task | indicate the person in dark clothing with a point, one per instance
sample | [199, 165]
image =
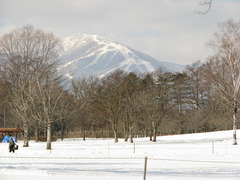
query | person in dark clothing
[11, 145]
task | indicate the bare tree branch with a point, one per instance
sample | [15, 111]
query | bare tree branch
[205, 3]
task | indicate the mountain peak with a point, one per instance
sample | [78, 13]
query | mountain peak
[73, 40]
[85, 55]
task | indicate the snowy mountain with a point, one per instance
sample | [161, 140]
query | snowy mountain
[84, 55]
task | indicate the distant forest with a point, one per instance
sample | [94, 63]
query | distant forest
[33, 96]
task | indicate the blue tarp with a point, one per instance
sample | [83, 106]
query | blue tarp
[7, 139]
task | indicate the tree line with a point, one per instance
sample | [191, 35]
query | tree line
[202, 98]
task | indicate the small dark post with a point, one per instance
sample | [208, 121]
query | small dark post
[145, 168]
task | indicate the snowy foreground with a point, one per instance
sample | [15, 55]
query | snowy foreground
[192, 156]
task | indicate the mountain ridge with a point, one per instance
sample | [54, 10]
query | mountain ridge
[92, 55]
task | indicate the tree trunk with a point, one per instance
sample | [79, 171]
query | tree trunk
[126, 137]
[49, 135]
[115, 135]
[36, 133]
[26, 135]
[84, 134]
[126, 134]
[144, 133]
[62, 133]
[235, 123]
[151, 134]
[126, 131]
[154, 134]
[131, 134]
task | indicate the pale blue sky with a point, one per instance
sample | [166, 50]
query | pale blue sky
[167, 30]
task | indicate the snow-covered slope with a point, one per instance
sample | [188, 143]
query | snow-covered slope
[85, 55]
[200, 156]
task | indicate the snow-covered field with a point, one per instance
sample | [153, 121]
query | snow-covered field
[191, 156]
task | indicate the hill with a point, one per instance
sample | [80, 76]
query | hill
[84, 55]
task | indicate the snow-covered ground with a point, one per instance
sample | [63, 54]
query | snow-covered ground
[192, 156]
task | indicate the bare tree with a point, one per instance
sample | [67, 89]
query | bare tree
[29, 57]
[224, 65]
[4, 105]
[131, 103]
[48, 99]
[108, 100]
[84, 90]
[182, 95]
[160, 102]
[64, 113]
